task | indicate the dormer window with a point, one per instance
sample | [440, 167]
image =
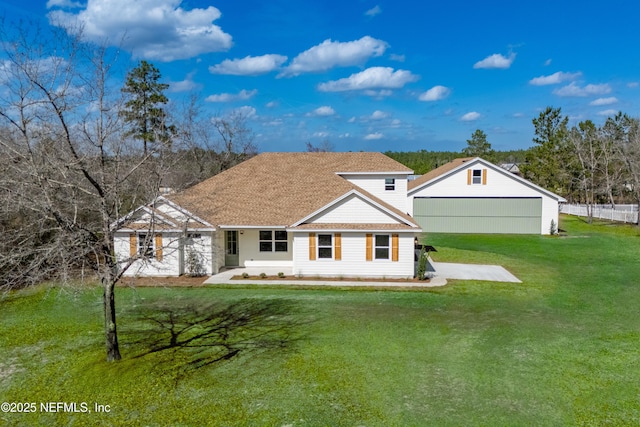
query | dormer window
[477, 176]
[390, 184]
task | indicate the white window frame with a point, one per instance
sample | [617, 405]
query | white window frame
[376, 247]
[329, 246]
[144, 250]
[476, 179]
[389, 184]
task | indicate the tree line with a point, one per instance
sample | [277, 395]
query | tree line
[584, 163]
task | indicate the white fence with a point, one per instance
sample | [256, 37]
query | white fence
[621, 213]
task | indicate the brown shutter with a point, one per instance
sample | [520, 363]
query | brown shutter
[369, 247]
[484, 177]
[159, 247]
[312, 246]
[394, 247]
[469, 174]
[133, 245]
[337, 243]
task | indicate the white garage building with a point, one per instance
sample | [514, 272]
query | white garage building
[472, 195]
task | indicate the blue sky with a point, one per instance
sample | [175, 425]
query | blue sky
[378, 75]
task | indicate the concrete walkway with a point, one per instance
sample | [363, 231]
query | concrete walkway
[439, 271]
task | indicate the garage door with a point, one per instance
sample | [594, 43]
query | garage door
[478, 215]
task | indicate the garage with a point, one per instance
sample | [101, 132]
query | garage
[499, 215]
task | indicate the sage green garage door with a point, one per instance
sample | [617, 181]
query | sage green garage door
[478, 215]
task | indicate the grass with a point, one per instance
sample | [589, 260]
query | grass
[562, 348]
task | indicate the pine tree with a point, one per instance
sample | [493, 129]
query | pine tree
[144, 107]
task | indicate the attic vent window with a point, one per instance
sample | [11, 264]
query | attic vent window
[390, 184]
[477, 176]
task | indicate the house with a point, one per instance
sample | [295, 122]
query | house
[308, 214]
[472, 195]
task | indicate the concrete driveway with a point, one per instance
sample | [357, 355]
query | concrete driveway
[493, 273]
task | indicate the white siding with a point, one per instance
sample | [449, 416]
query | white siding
[498, 185]
[354, 210]
[375, 184]
[172, 254]
[353, 262]
[250, 255]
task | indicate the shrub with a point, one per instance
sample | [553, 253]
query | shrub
[421, 273]
[281, 274]
[195, 263]
[245, 275]
[553, 229]
[263, 275]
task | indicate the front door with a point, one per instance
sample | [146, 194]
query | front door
[231, 254]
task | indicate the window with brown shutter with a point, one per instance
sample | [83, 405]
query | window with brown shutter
[484, 177]
[312, 246]
[369, 247]
[159, 247]
[337, 255]
[133, 245]
[394, 247]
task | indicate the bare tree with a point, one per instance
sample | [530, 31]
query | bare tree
[206, 145]
[584, 139]
[624, 131]
[235, 139]
[324, 147]
[68, 170]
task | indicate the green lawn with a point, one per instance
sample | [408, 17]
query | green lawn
[562, 348]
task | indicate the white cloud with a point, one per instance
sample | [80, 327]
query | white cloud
[379, 115]
[376, 10]
[554, 78]
[323, 111]
[63, 3]
[608, 113]
[470, 117]
[604, 101]
[249, 65]
[436, 93]
[151, 29]
[371, 78]
[633, 85]
[352, 120]
[185, 85]
[374, 136]
[246, 111]
[378, 94]
[496, 61]
[243, 95]
[329, 54]
[573, 89]
[272, 104]
[396, 57]
[547, 62]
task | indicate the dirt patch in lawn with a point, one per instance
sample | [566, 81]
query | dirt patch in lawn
[183, 281]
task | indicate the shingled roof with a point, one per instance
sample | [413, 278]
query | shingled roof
[279, 189]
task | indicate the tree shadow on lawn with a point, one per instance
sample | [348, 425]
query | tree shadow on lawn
[193, 334]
